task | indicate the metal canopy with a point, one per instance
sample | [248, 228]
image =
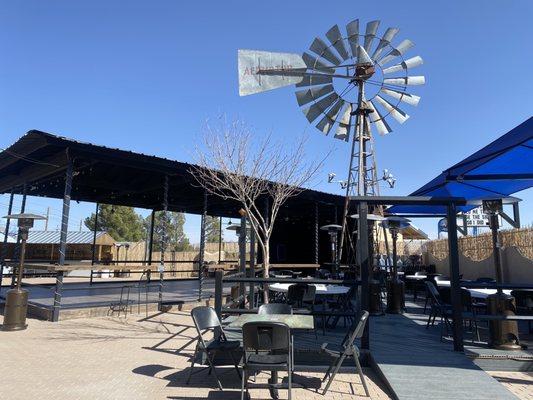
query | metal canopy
[500, 169]
[113, 176]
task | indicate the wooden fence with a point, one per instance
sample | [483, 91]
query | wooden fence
[479, 247]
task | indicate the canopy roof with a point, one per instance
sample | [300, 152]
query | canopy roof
[114, 176]
[498, 170]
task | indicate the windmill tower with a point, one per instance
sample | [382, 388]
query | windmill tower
[345, 86]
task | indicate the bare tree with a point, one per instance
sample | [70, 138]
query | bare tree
[237, 164]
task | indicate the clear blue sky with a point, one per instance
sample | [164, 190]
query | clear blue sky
[144, 75]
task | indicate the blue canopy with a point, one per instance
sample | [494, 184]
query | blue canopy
[498, 170]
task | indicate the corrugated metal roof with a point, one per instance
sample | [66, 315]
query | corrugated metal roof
[52, 237]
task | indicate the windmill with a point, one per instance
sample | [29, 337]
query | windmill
[345, 85]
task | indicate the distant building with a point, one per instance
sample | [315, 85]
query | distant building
[44, 246]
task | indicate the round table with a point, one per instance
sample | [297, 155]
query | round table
[321, 289]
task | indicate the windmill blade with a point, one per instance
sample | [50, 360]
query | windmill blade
[321, 48]
[314, 63]
[402, 96]
[370, 34]
[410, 80]
[329, 119]
[251, 61]
[385, 41]
[407, 64]
[397, 51]
[353, 36]
[335, 38]
[396, 113]
[319, 107]
[363, 57]
[377, 119]
[343, 130]
[306, 96]
[315, 80]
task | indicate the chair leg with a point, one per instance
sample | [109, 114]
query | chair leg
[243, 379]
[289, 371]
[361, 375]
[235, 363]
[192, 364]
[212, 368]
[332, 376]
[328, 371]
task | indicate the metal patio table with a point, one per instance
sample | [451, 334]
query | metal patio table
[294, 322]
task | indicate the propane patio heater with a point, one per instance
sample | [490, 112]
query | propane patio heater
[502, 334]
[395, 287]
[333, 230]
[16, 306]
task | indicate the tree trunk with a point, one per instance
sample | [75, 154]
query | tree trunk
[266, 265]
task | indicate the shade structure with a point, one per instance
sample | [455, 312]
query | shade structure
[498, 170]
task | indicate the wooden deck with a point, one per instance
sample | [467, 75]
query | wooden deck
[417, 365]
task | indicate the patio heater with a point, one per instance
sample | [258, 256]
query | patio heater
[16, 306]
[395, 287]
[502, 334]
[333, 230]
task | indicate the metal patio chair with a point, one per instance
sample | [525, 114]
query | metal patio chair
[123, 304]
[267, 347]
[438, 309]
[346, 349]
[205, 319]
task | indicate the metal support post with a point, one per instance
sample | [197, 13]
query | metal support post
[93, 254]
[202, 248]
[219, 274]
[362, 250]
[220, 240]
[63, 241]
[151, 238]
[4, 244]
[453, 256]
[251, 293]
[316, 234]
[163, 233]
[16, 253]
[494, 225]
[242, 254]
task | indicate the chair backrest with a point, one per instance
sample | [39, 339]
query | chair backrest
[296, 292]
[266, 336]
[205, 318]
[274, 308]
[432, 291]
[442, 278]
[309, 293]
[356, 330]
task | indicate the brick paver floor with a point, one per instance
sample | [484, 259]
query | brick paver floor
[127, 358]
[520, 383]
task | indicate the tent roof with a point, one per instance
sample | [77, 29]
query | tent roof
[499, 169]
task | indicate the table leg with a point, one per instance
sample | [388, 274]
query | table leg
[273, 380]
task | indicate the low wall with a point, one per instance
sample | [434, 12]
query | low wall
[516, 267]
